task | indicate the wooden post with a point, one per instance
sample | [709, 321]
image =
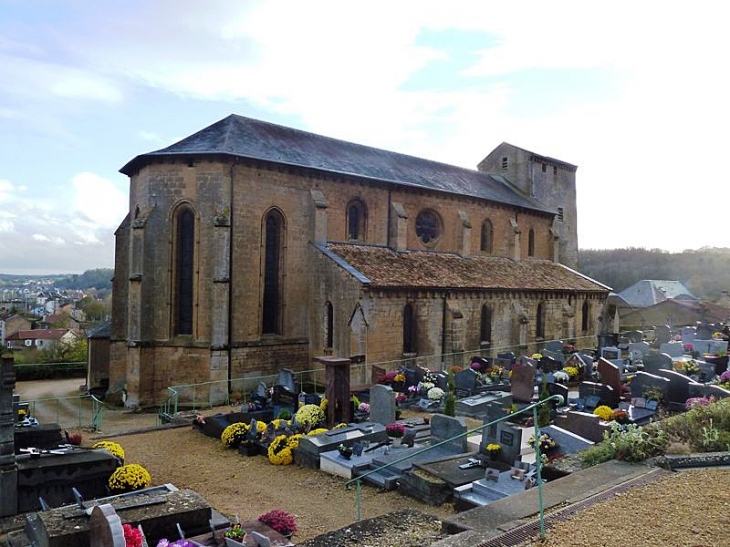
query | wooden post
[337, 375]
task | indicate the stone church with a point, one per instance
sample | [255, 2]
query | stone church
[250, 246]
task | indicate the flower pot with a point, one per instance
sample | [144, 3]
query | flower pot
[397, 441]
[230, 542]
[346, 455]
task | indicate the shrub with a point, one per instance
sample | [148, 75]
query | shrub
[113, 448]
[129, 477]
[311, 415]
[234, 434]
[630, 443]
[281, 521]
[604, 412]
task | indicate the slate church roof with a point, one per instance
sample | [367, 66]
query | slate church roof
[382, 267]
[648, 292]
[240, 137]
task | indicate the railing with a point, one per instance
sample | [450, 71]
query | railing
[218, 392]
[538, 463]
[89, 411]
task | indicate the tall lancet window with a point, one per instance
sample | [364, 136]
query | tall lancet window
[184, 270]
[273, 243]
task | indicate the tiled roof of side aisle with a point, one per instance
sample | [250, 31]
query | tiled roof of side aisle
[381, 267]
[258, 140]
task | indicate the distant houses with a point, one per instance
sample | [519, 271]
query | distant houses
[652, 302]
[41, 339]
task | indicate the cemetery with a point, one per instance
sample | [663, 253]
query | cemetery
[471, 442]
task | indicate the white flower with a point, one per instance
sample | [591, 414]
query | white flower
[435, 393]
[561, 376]
[427, 385]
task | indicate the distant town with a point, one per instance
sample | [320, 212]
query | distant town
[48, 318]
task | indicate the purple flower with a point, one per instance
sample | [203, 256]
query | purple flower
[725, 377]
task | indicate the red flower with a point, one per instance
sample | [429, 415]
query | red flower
[132, 536]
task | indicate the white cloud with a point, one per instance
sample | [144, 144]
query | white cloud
[99, 200]
[40, 237]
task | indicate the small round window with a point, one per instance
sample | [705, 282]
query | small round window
[428, 228]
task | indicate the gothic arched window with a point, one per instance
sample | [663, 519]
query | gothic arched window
[184, 270]
[409, 329]
[357, 215]
[540, 321]
[273, 261]
[486, 239]
[485, 330]
[585, 321]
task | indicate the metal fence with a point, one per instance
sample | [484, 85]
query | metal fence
[80, 411]
[225, 392]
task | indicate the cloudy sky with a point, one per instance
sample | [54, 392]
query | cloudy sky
[634, 93]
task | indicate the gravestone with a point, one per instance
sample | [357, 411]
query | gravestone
[509, 437]
[414, 376]
[283, 397]
[673, 349]
[286, 380]
[337, 390]
[643, 383]
[678, 387]
[704, 332]
[584, 364]
[688, 334]
[466, 382]
[655, 362]
[707, 371]
[523, 382]
[603, 394]
[611, 352]
[555, 346]
[478, 405]
[442, 381]
[105, 527]
[641, 348]
[584, 424]
[558, 389]
[634, 336]
[548, 364]
[444, 427]
[662, 334]
[610, 375]
[382, 404]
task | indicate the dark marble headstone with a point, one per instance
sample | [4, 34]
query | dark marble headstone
[655, 362]
[442, 381]
[610, 374]
[466, 382]
[606, 394]
[413, 376]
[634, 336]
[678, 387]
[584, 424]
[523, 382]
[583, 363]
[283, 397]
[558, 389]
[548, 364]
[509, 437]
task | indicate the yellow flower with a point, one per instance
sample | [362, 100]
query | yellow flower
[113, 448]
[604, 412]
[280, 451]
[129, 477]
[234, 434]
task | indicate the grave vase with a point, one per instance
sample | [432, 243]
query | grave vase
[230, 542]
[397, 441]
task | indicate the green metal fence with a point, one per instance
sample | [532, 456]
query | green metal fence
[80, 411]
[216, 393]
[538, 461]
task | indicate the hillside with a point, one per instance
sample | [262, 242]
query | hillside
[706, 272]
